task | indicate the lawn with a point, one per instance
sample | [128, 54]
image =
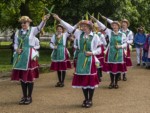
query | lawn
[5, 58]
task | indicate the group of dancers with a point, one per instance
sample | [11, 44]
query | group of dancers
[92, 54]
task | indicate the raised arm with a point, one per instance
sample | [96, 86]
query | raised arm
[66, 25]
[38, 28]
[102, 26]
[108, 20]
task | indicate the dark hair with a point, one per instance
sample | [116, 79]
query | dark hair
[60, 27]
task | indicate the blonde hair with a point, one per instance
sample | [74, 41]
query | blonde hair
[25, 19]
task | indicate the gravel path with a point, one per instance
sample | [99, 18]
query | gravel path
[133, 96]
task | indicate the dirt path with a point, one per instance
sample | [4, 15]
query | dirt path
[133, 96]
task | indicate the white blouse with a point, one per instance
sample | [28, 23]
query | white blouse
[33, 41]
[95, 49]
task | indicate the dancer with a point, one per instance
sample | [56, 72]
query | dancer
[129, 35]
[115, 57]
[25, 64]
[85, 75]
[60, 54]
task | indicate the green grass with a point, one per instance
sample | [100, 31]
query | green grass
[5, 43]
[5, 58]
[44, 44]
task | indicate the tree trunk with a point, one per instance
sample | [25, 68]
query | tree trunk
[24, 8]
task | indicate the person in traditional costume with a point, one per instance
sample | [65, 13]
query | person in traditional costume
[115, 57]
[139, 41]
[101, 55]
[60, 54]
[25, 64]
[85, 75]
[129, 35]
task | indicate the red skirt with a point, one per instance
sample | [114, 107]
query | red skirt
[28, 75]
[86, 81]
[128, 58]
[115, 67]
[61, 66]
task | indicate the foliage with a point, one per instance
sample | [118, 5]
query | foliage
[136, 11]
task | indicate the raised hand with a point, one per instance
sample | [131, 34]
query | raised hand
[46, 17]
[103, 17]
[56, 16]
[93, 18]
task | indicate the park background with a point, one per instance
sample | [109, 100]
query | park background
[72, 11]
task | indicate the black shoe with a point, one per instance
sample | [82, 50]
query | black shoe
[62, 85]
[88, 104]
[22, 101]
[124, 78]
[111, 86]
[28, 101]
[138, 64]
[58, 84]
[116, 86]
[84, 103]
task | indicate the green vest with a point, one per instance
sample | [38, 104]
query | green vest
[115, 55]
[84, 62]
[20, 61]
[58, 54]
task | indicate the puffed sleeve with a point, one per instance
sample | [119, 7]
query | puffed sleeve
[130, 38]
[16, 43]
[37, 43]
[38, 28]
[102, 26]
[70, 28]
[109, 21]
[103, 40]
[67, 26]
[96, 50]
[52, 42]
[124, 41]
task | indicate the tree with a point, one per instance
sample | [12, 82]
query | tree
[72, 11]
